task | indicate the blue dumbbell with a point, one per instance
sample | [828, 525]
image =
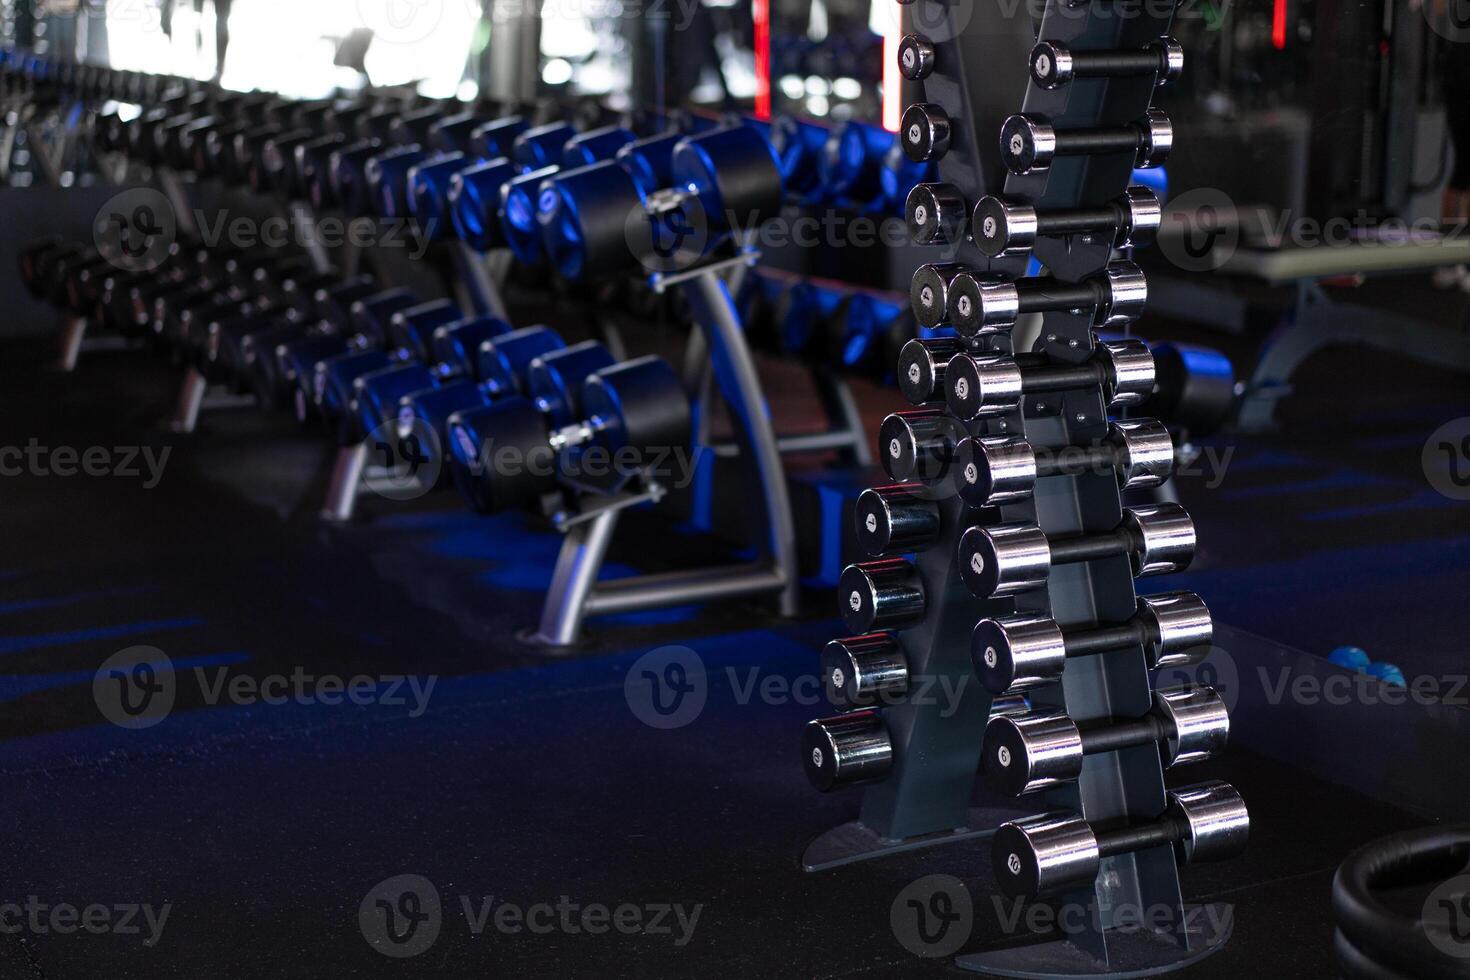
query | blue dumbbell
[1388, 673]
[511, 454]
[650, 161]
[868, 331]
[852, 163]
[502, 362]
[541, 146]
[474, 202]
[799, 147]
[594, 145]
[1353, 658]
[387, 179]
[428, 190]
[346, 179]
[554, 379]
[497, 139]
[597, 220]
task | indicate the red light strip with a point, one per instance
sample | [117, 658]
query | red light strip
[1278, 25]
[761, 13]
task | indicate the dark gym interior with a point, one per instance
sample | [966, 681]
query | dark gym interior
[700, 489]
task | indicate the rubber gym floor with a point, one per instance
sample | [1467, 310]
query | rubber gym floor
[262, 828]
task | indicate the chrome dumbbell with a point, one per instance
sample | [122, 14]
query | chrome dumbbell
[915, 57]
[918, 444]
[1027, 753]
[1009, 558]
[896, 519]
[992, 470]
[881, 595]
[1029, 143]
[935, 212]
[980, 305]
[925, 131]
[1052, 852]
[921, 367]
[1053, 64]
[856, 748]
[981, 385]
[1018, 653]
[1006, 227]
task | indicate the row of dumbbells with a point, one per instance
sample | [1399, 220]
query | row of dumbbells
[378, 364]
[474, 170]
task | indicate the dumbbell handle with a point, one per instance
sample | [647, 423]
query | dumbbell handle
[1126, 840]
[1101, 639]
[1116, 64]
[1041, 295]
[1089, 547]
[1107, 139]
[1078, 460]
[1039, 374]
[1114, 735]
[1079, 220]
[576, 434]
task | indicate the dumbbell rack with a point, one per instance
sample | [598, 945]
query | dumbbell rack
[925, 795]
[575, 593]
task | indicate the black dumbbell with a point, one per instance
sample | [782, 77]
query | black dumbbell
[1017, 653]
[881, 595]
[1029, 143]
[915, 57]
[925, 131]
[1027, 753]
[895, 520]
[918, 444]
[1005, 559]
[981, 305]
[1052, 852]
[982, 386]
[935, 212]
[855, 747]
[992, 470]
[922, 364]
[510, 455]
[1005, 227]
[1053, 64]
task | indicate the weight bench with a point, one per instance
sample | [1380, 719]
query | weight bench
[1319, 320]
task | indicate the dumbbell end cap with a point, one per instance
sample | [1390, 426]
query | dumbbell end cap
[1051, 64]
[1002, 227]
[1017, 653]
[1042, 854]
[1171, 60]
[1179, 627]
[845, 750]
[1157, 140]
[1213, 821]
[1027, 143]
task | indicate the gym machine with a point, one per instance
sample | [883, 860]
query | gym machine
[1003, 548]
